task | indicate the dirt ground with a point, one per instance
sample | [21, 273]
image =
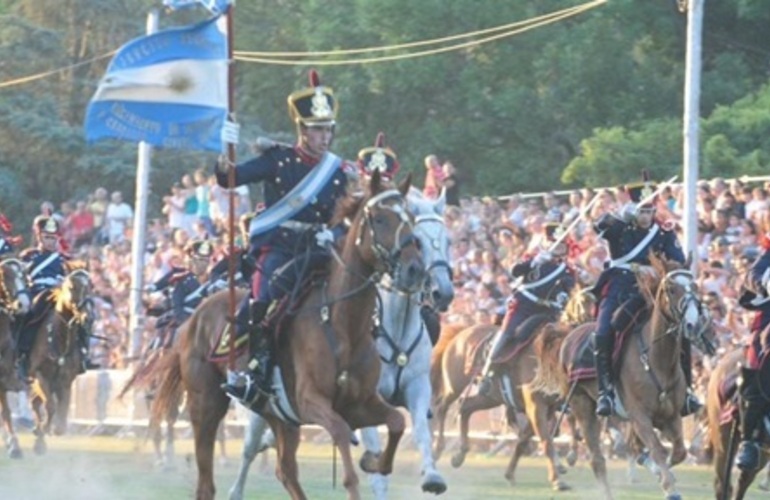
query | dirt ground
[91, 468]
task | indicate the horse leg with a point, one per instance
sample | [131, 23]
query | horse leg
[207, 406]
[536, 408]
[222, 441]
[643, 427]
[372, 413]
[745, 478]
[439, 417]
[525, 434]
[251, 446]
[572, 455]
[286, 444]
[468, 407]
[417, 395]
[38, 408]
[370, 461]
[584, 409]
[170, 421]
[764, 485]
[12, 442]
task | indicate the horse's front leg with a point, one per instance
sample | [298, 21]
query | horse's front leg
[418, 396]
[658, 465]
[38, 404]
[12, 442]
[468, 407]
[370, 462]
[536, 406]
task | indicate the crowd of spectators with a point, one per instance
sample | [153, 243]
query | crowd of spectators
[488, 236]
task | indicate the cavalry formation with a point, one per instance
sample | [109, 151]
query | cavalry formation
[340, 289]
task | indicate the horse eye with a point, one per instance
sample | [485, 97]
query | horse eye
[379, 220]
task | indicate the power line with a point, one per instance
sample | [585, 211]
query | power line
[26, 79]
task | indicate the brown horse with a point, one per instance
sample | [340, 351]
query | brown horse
[724, 427]
[326, 360]
[650, 383]
[14, 301]
[513, 389]
[56, 357]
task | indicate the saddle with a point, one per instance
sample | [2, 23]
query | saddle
[625, 324]
[477, 352]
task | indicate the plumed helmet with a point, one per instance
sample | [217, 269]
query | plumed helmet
[315, 105]
[380, 158]
[642, 191]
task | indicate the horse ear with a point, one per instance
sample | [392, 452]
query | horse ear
[404, 185]
[375, 183]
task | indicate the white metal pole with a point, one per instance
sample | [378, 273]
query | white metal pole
[691, 126]
[135, 322]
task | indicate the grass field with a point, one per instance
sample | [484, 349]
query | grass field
[90, 468]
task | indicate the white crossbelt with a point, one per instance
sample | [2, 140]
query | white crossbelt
[43, 264]
[525, 289]
[296, 225]
[195, 294]
[622, 263]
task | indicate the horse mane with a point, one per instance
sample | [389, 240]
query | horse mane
[76, 265]
[649, 285]
[347, 207]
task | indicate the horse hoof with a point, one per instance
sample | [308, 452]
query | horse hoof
[434, 483]
[370, 462]
[511, 480]
[15, 453]
[561, 486]
[764, 486]
[458, 459]
[40, 447]
[561, 469]
[571, 458]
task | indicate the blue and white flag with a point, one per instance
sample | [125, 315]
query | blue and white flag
[169, 89]
[216, 7]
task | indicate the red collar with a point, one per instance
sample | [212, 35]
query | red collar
[306, 157]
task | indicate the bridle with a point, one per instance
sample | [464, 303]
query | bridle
[9, 299]
[675, 310]
[435, 243]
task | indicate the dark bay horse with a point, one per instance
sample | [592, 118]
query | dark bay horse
[513, 389]
[327, 368]
[14, 301]
[650, 383]
[56, 357]
[724, 428]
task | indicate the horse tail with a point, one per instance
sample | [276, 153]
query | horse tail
[550, 377]
[169, 371]
[139, 378]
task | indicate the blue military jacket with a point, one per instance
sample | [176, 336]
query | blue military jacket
[542, 284]
[45, 269]
[280, 168]
[186, 291]
[755, 297]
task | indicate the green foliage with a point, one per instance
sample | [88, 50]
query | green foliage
[590, 100]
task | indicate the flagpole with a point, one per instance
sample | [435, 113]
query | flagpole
[231, 186]
[144, 154]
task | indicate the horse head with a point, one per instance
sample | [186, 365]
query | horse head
[381, 235]
[14, 292]
[679, 301]
[74, 294]
[430, 229]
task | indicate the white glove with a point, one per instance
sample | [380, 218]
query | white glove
[628, 212]
[149, 288]
[561, 299]
[541, 258]
[324, 238]
[231, 132]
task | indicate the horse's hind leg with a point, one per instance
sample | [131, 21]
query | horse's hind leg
[251, 446]
[745, 478]
[584, 409]
[525, 434]
[644, 430]
[286, 470]
[14, 450]
[468, 407]
[536, 407]
[207, 408]
[370, 461]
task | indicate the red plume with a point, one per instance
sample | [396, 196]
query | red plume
[315, 80]
[5, 224]
[380, 142]
[15, 240]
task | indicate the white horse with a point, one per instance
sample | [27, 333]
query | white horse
[405, 347]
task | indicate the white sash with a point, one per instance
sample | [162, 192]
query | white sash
[637, 249]
[542, 281]
[43, 264]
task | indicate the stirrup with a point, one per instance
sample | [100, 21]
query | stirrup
[691, 404]
[605, 404]
[485, 385]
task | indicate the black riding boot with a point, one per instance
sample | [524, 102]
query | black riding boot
[488, 370]
[432, 323]
[257, 377]
[753, 408]
[691, 402]
[22, 366]
[605, 403]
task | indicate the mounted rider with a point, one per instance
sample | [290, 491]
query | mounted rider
[632, 234]
[186, 287]
[46, 269]
[244, 264]
[546, 281]
[755, 375]
[302, 184]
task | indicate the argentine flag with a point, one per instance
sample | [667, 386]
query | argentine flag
[169, 89]
[216, 7]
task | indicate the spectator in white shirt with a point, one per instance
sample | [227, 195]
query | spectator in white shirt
[118, 217]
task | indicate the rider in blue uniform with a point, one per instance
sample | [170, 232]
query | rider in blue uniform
[276, 238]
[187, 287]
[631, 235]
[46, 269]
[546, 282]
[244, 263]
[755, 375]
